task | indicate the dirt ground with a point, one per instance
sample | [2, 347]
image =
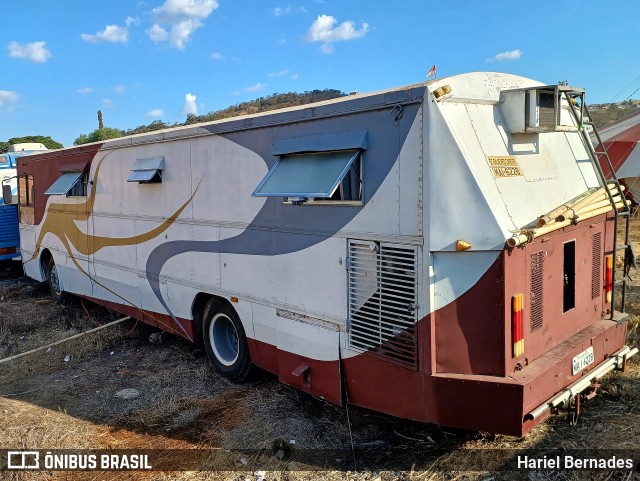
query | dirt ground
[64, 398]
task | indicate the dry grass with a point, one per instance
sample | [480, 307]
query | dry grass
[201, 421]
[29, 319]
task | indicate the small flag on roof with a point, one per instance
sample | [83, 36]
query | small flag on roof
[431, 72]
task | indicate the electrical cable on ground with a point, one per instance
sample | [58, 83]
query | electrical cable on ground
[76, 336]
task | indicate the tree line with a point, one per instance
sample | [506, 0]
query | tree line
[48, 142]
[262, 104]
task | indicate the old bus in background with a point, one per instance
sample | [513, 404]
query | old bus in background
[9, 234]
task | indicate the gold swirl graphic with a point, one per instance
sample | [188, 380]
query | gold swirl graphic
[61, 221]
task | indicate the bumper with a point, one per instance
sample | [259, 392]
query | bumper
[515, 404]
[617, 362]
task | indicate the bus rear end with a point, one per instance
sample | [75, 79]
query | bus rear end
[522, 237]
[562, 333]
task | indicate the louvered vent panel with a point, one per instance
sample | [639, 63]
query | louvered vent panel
[382, 300]
[537, 272]
[546, 110]
[596, 266]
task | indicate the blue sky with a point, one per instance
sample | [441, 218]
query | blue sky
[161, 59]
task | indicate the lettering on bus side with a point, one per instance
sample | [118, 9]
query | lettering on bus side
[504, 166]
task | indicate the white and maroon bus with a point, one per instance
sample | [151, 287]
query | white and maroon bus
[355, 247]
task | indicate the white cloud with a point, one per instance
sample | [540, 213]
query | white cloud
[119, 89]
[107, 103]
[111, 33]
[280, 73]
[7, 97]
[181, 32]
[508, 55]
[190, 106]
[173, 10]
[325, 29]
[284, 73]
[326, 48]
[220, 57]
[85, 90]
[279, 11]
[35, 51]
[158, 34]
[251, 88]
[256, 88]
[176, 20]
[155, 113]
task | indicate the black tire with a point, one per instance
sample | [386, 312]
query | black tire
[53, 279]
[225, 341]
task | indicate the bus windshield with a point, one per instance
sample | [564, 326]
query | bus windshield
[5, 162]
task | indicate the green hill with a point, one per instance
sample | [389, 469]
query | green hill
[262, 104]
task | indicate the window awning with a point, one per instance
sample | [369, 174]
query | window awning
[146, 170]
[325, 142]
[306, 175]
[64, 184]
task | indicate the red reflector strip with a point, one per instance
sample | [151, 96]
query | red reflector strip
[7, 250]
[608, 277]
[517, 307]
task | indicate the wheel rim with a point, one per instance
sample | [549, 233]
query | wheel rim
[54, 281]
[223, 338]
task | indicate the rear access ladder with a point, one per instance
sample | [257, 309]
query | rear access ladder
[575, 99]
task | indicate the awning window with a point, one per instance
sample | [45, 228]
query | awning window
[65, 183]
[146, 171]
[314, 175]
[324, 142]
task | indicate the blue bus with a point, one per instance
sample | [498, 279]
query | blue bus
[9, 233]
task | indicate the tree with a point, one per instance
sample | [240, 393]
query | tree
[100, 122]
[99, 135]
[48, 142]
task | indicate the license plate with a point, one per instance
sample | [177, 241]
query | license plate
[582, 360]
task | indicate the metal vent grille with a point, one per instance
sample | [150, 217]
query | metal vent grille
[382, 300]
[537, 272]
[546, 110]
[596, 265]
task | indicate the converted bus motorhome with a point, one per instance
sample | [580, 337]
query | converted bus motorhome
[355, 247]
[9, 234]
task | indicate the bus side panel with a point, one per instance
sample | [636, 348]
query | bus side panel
[377, 384]
[470, 329]
[9, 233]
[316, 372]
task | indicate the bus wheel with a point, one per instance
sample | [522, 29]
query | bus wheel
[226, 342]
[53, 279]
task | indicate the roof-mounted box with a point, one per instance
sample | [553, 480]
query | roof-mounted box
[539, 109]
